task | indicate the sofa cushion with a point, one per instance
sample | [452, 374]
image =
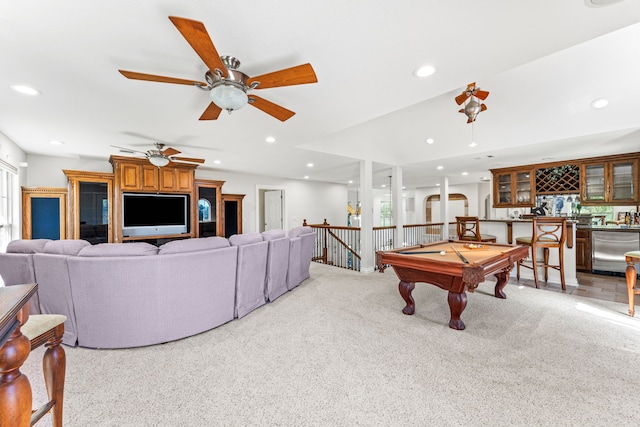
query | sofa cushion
[193, 245]
[245, 239]
[273, 234]
[118, 249]
[298, 231]
[65, 247]
[27, 246]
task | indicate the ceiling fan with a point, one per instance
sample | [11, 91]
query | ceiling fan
[161, 156]
[228, 87]
[473, 107]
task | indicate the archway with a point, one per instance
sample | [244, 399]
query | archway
[454, 197]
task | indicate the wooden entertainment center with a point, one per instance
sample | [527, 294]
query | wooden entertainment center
[94, 211]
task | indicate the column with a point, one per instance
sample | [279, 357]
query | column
[396, 206]
[367, 262]
[444, 207]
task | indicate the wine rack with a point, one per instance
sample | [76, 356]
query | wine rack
[558, 179]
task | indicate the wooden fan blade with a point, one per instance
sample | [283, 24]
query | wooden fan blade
[462, 97]
[170, 151]
[211, 113]
[187, 159]
[298, 75]
[483, 107]
[196, 35]
[162, 79]
[270, 108]
[482, 94]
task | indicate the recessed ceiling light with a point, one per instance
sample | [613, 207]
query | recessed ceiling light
[424, 71]
[309, 165]
[25, 90]
[23, 164]
[270, 139]
[600, 3]
[473, 144]
[465, 173]
[217, 162]
[430, 141]
[306, 177]
[56, 142]
[599, 103]
[484, 178]
[383, 185]
[350, 182]
[440, 168]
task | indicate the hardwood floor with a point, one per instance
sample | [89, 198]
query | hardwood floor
[598, 286]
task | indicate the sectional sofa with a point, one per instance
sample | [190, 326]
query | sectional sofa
[118, 295]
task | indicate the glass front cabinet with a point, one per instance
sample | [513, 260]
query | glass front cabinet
[610, 182]
[513, 189]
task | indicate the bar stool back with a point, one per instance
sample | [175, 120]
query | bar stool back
[548, 233]
[468, 228]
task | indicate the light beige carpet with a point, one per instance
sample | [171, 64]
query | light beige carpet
[337, 351]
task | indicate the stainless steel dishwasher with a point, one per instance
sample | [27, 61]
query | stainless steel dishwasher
[609, 248]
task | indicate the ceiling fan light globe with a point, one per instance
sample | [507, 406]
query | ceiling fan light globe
[159, 161]
[228, 97]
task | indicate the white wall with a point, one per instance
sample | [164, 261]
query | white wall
[314, 201]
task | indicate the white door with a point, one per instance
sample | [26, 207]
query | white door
[273, 210]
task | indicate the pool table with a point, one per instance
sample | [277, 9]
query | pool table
[455, 266]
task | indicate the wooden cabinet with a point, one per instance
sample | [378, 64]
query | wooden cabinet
[150, 178]
[513, 188]
[232, 211]
[138, 175]
[90, 206]
[176, 179]
[209, 207]
[611, 182]
[44, 213]
[583, 249]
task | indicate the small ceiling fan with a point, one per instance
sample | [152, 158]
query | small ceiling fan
[228, 87]
[161, 156]
[473, 107]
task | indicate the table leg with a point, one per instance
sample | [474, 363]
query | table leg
[405, 289]
[15, 390]
[457, 304]
[631, 274]
[503, 279]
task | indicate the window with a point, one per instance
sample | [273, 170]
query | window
[8, 205]
[204, 210]
[386, 217]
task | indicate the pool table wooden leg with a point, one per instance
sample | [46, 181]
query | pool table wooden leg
[405, 289]
[503, 279]
[457, 304]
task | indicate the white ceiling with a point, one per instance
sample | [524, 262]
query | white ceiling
[543, 63]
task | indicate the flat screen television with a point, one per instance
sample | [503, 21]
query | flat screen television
[154, 214]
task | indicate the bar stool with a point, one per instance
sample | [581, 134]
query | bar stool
[548, 233]
[468, 228]
[631, 273]
[48, 329]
